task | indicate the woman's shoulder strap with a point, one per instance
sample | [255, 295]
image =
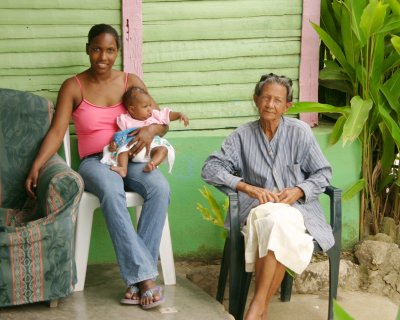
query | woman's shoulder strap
[79, 84]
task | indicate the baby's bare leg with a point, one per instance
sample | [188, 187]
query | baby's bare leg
[122, 168]
[157, 156]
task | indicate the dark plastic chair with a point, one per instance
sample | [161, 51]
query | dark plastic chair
[233, 258]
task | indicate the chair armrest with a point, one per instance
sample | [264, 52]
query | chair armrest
[335, 196]
[59, 187]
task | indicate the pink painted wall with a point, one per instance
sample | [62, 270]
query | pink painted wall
[132, 36]
[309, 58]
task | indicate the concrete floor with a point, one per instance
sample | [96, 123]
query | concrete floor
[186, 301]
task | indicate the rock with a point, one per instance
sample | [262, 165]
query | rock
[315, 278]
[374, 253]
[383, 237]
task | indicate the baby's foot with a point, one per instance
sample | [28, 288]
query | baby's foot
[120, 170]
[149, 167]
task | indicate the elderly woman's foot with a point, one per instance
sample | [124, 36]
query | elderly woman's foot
[150, 294]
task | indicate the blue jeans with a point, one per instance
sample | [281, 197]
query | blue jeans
[137, 253]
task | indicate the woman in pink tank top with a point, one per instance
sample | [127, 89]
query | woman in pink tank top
[93, 99]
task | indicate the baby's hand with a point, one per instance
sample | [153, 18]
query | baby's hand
[183, 118]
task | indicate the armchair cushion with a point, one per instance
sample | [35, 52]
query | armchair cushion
[36, 236]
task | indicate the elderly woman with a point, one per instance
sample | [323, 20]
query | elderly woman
[279, 171]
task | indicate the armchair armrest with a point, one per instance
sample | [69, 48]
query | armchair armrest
[59, 187]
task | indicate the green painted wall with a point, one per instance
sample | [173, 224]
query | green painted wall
[42, 42]
[204, 57]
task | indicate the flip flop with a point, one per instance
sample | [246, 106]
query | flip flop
[149, 294]
[133, 289]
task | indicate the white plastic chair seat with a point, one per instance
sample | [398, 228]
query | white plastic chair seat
[87, 206]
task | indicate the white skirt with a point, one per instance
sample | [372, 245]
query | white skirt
[280, 228]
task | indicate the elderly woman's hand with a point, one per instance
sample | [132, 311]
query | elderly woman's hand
[261, 194]
[290, 195]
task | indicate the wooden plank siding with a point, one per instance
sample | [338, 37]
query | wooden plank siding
[42, 42]
[204, 57]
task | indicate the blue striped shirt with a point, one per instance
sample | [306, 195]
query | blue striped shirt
[292, 158]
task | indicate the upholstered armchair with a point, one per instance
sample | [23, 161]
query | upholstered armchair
[36, 236]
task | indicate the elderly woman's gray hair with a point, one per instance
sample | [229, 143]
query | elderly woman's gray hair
[273, 78]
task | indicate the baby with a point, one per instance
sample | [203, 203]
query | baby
[140, 113]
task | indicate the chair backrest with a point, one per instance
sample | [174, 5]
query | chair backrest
[24, 121]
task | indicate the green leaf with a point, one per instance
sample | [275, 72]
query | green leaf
[395, 6]
[339, 313]
[353, 190]
[391, 25]
[356, 8]
[327, 21]
[391, 62]
[335, 49]
[395, 40]
[358, 116]
[349, 40]
[316, 107]
[390, 90]
[373, 18]
[391, 124]
[388, 150]
[377, 57]
[337, 131]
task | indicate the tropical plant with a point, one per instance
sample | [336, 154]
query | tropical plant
[216, 212]
[362, 59]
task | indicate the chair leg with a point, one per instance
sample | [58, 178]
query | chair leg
[223, 273]
[82, 240]
[286, 287]
[167, 256]
[334, 264]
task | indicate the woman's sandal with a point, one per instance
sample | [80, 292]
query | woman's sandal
[149, 293]
[133, 289]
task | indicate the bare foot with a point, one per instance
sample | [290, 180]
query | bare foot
[149, 167]
[120, 170]
[255, 311]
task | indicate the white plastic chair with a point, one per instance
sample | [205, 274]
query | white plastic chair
[88, 204]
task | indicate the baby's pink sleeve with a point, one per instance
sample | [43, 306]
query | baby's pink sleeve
[121, 122]
[162, 116]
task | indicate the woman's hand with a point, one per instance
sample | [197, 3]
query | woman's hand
[143, 138]
[31, 183]
[290, 195]
[261, 194]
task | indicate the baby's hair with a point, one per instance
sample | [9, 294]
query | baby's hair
[100, 29]
[131, 94]
[273, 78]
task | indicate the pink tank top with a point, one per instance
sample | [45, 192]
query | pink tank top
[95, 125]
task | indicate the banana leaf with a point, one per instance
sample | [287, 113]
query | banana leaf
[396, 43]
[390, 90]
[391, 124]
[336, 50]
[358, 116]
[299, 107]
[337, 131]
[388, 150]
[373, 18]
[353, 190]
